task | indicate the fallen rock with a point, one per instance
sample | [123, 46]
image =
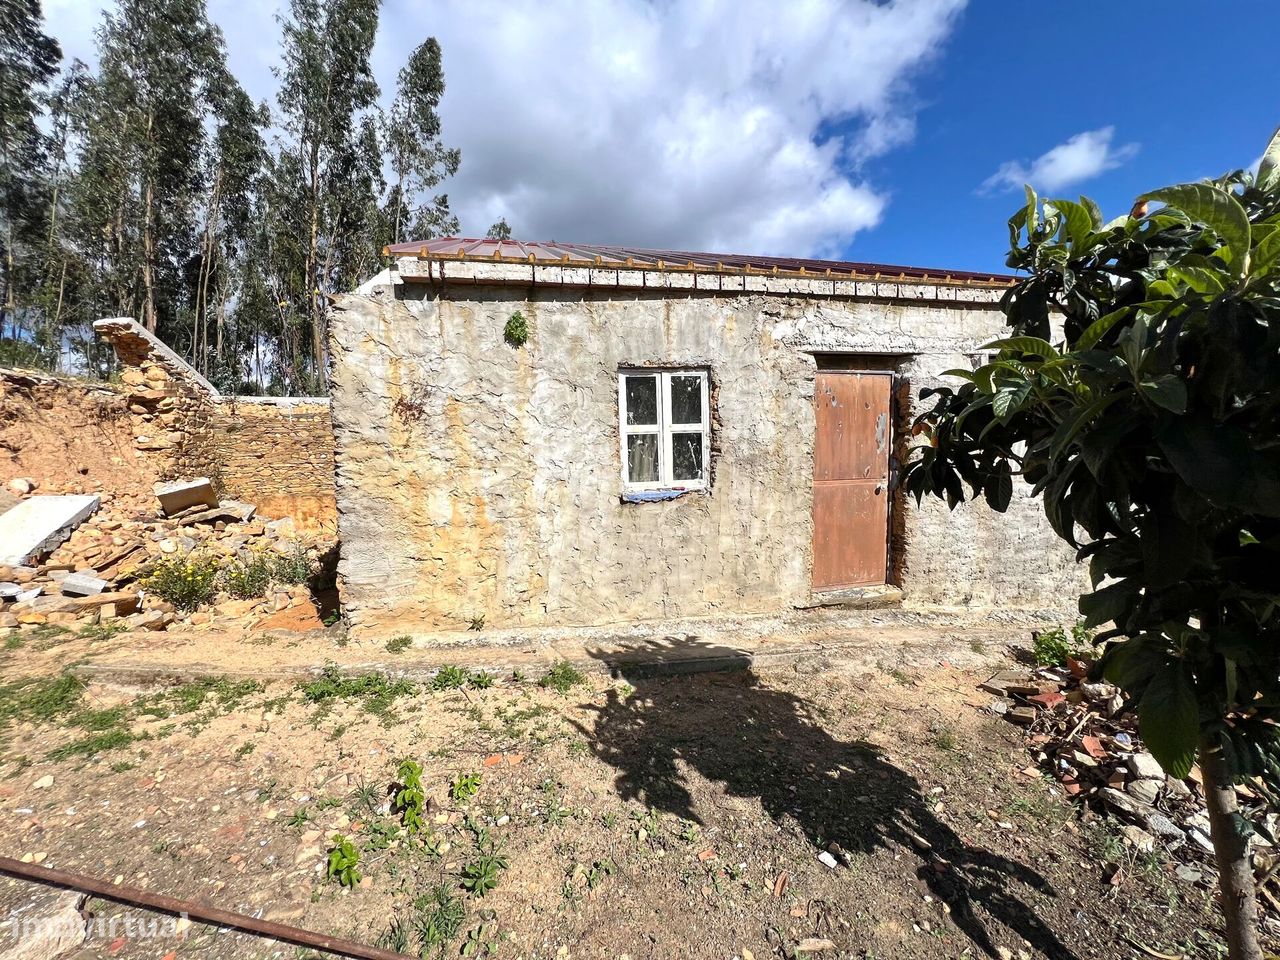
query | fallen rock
[230, 511]
[21, 486]
[179, 495]
[1145, 767]
[1145, 791]
[1138, 838]
[49, 924]
[83, 585]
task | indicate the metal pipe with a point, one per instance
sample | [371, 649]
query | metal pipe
[212, 915]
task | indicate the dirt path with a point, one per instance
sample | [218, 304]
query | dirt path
[646, 818]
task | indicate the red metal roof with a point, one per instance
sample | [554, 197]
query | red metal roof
[596, 255]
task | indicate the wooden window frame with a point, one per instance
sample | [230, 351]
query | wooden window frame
[665, 428]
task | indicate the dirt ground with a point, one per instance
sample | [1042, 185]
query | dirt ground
[681, 817]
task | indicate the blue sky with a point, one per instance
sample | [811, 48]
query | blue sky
[839, 128]
[1195, 86]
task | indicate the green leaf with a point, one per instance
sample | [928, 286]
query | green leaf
[1169, 391]
[1033, 212]
[1218, 210]
[1168, 547]
[1095, 214]
[1009, 400]
[1266, 253]
[958, 372]
[1269, 168]
[1169, 720]
[1077, 222]
[998, 490]
[1099, 327]
[1110, 603]
[1026, 345]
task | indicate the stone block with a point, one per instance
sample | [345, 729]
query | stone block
[83, 585]
[181, 494]
[36, 526]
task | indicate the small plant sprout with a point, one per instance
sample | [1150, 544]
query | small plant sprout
[399, 644]
[410, 800]
[480, 680]
[481, 874]
[344, 860]
[465, 788]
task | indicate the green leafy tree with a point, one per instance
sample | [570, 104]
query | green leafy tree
[500, 230]
[1139, 394]
[418, 159]
[326, 88]
[28, 63]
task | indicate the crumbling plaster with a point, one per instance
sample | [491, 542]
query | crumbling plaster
[477, 480]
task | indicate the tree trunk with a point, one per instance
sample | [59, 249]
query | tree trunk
[314, 297]
[1235, 875]
[148, 248]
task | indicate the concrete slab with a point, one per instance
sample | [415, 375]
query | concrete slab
[179, 495]
[83, 585]
[809, 641]
[39, 524]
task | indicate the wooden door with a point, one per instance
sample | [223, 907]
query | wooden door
[851, 479]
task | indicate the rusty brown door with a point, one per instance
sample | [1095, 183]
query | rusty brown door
[851, 479]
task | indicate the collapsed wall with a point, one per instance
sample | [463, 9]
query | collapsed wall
[70, 436]
[276, 453]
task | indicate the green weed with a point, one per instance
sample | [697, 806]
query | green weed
[562, 678]
[410, 800]
[344, 861]
[465, 788]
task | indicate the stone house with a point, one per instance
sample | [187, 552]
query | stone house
[676, 435]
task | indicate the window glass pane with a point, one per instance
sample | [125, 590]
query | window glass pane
[686, 456]
[642, 400]
[642, 457]
[686, 399]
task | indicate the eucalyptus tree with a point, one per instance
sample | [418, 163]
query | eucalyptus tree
[28, 63]
[326, 89]
[1139, 394]
[416, 155]
[142, 130]
[235, 160]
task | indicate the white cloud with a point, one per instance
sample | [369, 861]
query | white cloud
[733, 126]
[1080, 158]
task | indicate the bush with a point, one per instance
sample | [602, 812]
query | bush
[294, 567]
[186, 582]
[1052, 647]
[246, 579]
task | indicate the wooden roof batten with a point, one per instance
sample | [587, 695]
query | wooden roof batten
[591, 256]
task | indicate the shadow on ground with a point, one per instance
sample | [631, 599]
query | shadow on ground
[759, 742]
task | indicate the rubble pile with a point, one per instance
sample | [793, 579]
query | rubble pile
[95, 574]
[1080, 733]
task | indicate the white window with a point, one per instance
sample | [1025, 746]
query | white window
[664, 421]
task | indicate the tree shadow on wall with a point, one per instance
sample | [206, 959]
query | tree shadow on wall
[764, 743]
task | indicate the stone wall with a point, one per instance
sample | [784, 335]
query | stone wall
[276, 453]
[479, 480]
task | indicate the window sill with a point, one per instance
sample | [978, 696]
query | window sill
[658, 494]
